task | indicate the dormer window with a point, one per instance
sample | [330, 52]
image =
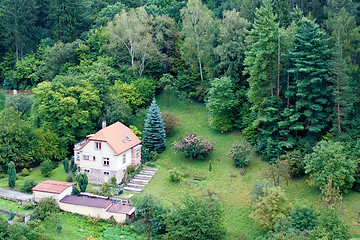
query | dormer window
[128, 138]
[98, 145]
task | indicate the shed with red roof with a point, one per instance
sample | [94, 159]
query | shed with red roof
[51, 188]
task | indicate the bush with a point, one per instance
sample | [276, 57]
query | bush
[46, 167]
[59, 228]
[12, 174]
[113, 180]
[175, 176]
[28, 185]
[240, 154]
[45, 208]
[154, 156]
[70, 178]
[105, 189]
[2, 175]
[25, 172]
[65, 163]
[296, 163]
[29, 205]
[82, 181]
[259, 189]
[331, 161]
[153, 165]
[304, 218]
[171, 123]
[193, 147]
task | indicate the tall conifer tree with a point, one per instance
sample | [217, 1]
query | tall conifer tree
[154, 130]
[12, 174]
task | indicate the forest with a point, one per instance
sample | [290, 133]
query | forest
[285, 73]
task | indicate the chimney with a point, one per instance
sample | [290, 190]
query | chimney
[103, 124]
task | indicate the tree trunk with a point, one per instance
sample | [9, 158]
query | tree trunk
[198, 47]
[278, 70]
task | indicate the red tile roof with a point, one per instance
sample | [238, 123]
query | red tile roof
[52, 186]
[116, 136]
[118, 208]
[84, 201]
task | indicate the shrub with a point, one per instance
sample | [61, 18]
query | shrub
[2, 175]
[175, 176]
[105, 189]
[82, 181]
[29, 205]
[30, 169]
[259, 189]
[12, 174]
[154, 156]
[28, 185]
[45, 208]
[113, 180]
[46, 167]
[59, 228]
[331, 161]
[304, 218]
[240, 154]
[171, 123]
[296, 163]
[193, 147]
[70, 178]
[65, 163]
[153, 165]
[76, 192]
[25, 172]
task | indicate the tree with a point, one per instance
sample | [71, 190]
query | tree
[20, 103]
[195, 219]
[296, 162]
[170, 86]
[193, 147]
[82, 181]
[12, 174]
[199, 35]
[270, 206]
[68, 107]
[309, 67]
[222, 104]
[46, 167]
[65, 163]
[133, 36]
[304, 218]
[171, 123]
[154, 130]
[330, 161]
[261, 57]
[230, 51]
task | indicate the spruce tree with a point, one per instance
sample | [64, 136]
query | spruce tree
[12, 174]
[154, 130]
[309, 84]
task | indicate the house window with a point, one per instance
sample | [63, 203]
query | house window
[137, 154]
[86, 171]
[97, 145]
[106, 162]
[94, 158]
[124, 158]
[86, 157]
[78, 156]
[106, 173]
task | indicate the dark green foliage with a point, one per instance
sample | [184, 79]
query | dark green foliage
[82, 181]
[154, 130]
[222, 104]
[28, 186]
[46, 167]
[144, 154]
[154, 156]
[195, 218]
[331, 160]
[171, 123]
[2, 100]
[296, 162]
[105, 189]
[20, 103]
[11, 174]
[70, 178]
[72, 164]
[45, 208]
[259, 189]
[240, 154]
[304, 218]
[65, 163]
[59, 228]
[149, 208]
[193, 147]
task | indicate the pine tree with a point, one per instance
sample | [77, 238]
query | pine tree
[309, 67]
[12, 174]
[154, 130]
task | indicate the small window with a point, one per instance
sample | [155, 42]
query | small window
[94, 158]
[86, 171]
[106, 173]
[124, 158]
[106, 161]
[128, 138]
[137, 154]
[97, 145]
[78, 156]
[86, 157]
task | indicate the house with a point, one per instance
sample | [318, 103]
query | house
[108, 153]
[99, 208]
[50, 188]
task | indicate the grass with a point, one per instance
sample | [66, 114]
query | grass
[57, 174]
[233, 192]
[14, 207]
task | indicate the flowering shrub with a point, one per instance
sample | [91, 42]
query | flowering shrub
[193, 147]
[240, 154]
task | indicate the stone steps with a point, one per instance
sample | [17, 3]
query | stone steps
[150, 169]
[132, 189]
[150, 173]
[135, 185]
[142, 176]
[141, 181]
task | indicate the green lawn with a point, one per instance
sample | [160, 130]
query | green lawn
[15, 207]
[233, 192]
